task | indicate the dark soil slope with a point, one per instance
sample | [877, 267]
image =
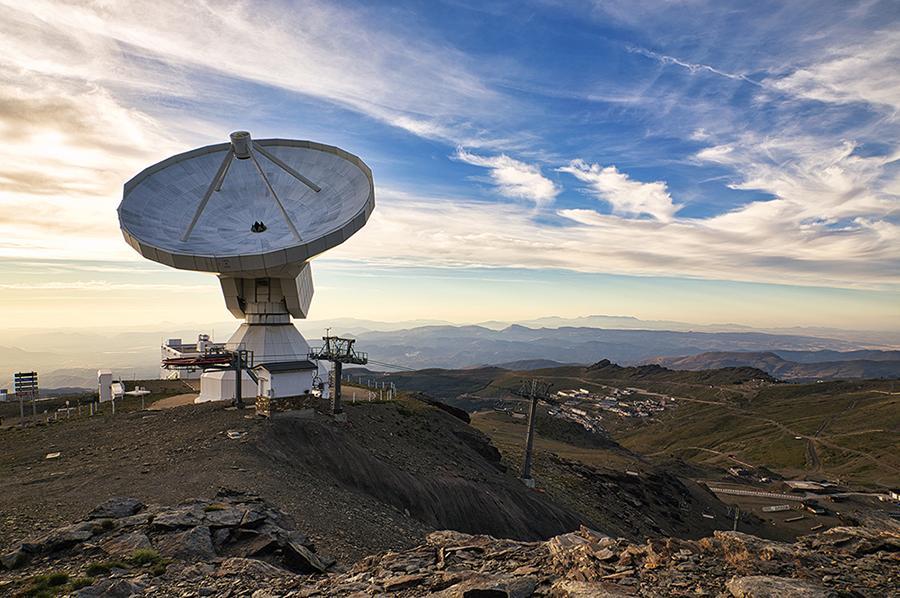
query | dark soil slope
[419, 460]
[381, 481]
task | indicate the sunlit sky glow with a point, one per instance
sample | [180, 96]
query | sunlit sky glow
[683, 160]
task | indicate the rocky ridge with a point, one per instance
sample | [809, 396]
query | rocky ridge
[238, 545]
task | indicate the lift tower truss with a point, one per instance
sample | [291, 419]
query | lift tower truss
[535, 390]
[338, 351]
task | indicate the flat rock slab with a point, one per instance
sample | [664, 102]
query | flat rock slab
[249, 567]
[766, 586]
[194, 544]
[126, 544]
[112, 588]
[64, 537]
[227, 517]
[186, 517]
[116, 508]
[490, 585]
[569, 588]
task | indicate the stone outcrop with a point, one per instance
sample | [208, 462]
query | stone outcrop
[237, 545]
[124, 547]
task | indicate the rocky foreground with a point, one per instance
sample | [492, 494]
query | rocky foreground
[237, 545]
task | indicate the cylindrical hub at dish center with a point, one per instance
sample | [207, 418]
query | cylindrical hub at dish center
[241, 144]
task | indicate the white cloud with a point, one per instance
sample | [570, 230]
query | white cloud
[814, 184]
[866, 72]
[68, 148]
[103, 285]
[514, 178]
[626, 196]
[413, 230]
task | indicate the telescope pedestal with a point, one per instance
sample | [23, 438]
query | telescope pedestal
[269, 343]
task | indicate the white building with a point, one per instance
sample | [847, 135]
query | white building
[104, 383]
[286, 379]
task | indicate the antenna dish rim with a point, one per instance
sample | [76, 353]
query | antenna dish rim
[277, 261]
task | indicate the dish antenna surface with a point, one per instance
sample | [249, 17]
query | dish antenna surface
[254, 212]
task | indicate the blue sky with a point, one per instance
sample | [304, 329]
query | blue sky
[689, 160]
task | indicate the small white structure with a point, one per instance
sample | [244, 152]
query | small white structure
[104, 383]
[4, 395]
[117, 390]
[285, 379]
[219, 386]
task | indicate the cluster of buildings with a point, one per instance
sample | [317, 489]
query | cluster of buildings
[582, 417]
[622, 402]
[587, 408]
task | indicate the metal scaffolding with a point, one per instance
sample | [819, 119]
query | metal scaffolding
[219, 359]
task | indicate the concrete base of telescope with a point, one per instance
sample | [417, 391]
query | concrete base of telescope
[269, 343]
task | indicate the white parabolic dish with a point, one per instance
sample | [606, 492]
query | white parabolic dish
[160, 203]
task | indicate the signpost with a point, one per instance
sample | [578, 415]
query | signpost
[26, 387]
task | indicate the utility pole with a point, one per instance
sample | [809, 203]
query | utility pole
[338, 351]
[238, 380]
[535, 390]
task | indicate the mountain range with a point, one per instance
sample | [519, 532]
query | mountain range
[833, 365]
[71, 357]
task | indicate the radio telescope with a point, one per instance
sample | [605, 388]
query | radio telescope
[254, 212]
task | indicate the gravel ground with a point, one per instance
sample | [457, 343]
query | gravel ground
[383, 480]
[172, 455]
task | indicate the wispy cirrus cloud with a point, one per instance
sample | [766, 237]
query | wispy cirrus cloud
[514, 178]
[315, 48]
[625, 195]
[867, 71]
[693, 67]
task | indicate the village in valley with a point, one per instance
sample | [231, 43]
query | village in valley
[589, 408]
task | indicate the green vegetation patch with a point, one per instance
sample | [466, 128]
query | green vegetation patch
[49, 584]
[145, 556]
[104, 567]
